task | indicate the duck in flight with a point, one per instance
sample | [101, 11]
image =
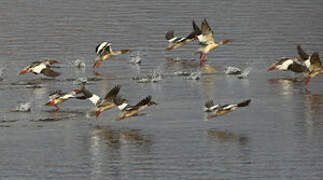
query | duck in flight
[128, 110]
[219, 110]
[297, 65]
[101, 104]
[205, 35]
[314, 67]
[175, 42]
[59, 97]
[104, 52]
[41, 67]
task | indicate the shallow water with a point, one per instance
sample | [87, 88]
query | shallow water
[278, 136]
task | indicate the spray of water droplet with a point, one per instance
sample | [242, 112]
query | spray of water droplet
[24, 107]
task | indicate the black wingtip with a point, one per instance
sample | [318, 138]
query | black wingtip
[209, 104]
[196, 29]
[50, 73]
[169, 35]
[113, 92]
[244, 103]
[301, 53]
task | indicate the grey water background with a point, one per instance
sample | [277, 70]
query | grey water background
[279, 136]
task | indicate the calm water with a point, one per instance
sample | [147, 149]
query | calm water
[279, 136]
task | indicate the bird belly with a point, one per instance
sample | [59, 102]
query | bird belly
[106, 57]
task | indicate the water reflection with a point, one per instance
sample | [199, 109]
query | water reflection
[113, 149]
[286, 85]
[182, 63]
[225, 136]
[208, 68]
[314, 103]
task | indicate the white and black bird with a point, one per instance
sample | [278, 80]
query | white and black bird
[288, 64]
[101, 104]
[104, 52]
[175, 42]
[300, 64]
[314, 67]
[59, 97]
[128, 110]
[205, 35]
[41, 67]
[219, 110]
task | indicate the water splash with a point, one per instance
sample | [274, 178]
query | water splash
[24, 107]
[1, 72]
[135, 59]
[245, 73]
[182, 73]
[154, 76]
[80, 81]
[79, 64]
[231, 70]
[194, 76]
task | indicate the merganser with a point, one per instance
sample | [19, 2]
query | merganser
[59, 97]
[128, 110]
[315, 67]
[286, 64]
[293, 64]
[41, 67]
[101, 104]
[219, 110]
[175, 42]
[104, 52]
[206, 39]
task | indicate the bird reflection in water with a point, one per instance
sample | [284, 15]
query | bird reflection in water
[314, 104]
[113, 150]
[118, 137]
[286, 85]
[224, 136]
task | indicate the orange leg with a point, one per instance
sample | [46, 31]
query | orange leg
[99, 63]
[308, 80]
[98, 114]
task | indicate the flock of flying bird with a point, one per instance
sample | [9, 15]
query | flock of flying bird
[310, 65]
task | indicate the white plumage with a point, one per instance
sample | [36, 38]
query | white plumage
[39, 68]
[94, 99]
[122, 106]
[285, 64]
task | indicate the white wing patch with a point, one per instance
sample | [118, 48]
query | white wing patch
[94, 99]
[122, 106]
[173, 39]
[39, 68]
[230, 106]
[67, 96]
[308, 64]
[284, 65]
[202, 38]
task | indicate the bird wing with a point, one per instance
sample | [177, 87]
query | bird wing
[244, 103]
[112, 93]
[89, 95]
[301, 53]
[143, 102]
[48, 72]
[209, 106]
[207, 34]
[196, 29]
